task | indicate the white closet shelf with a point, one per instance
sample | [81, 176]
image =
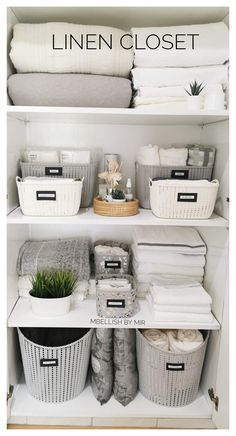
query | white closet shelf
[84, 314]
[113, 116]
[24, 404]
[88, 217]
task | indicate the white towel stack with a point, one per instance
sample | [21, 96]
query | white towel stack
[179, 301]
[154, 155]
[167, 252]
[160, 76]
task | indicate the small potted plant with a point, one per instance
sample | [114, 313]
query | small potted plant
[195, 99]
[118, 196]
[51, 292]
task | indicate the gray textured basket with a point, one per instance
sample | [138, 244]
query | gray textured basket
[55, 374]
[116, 304]
[74, 171]
[167, 378]
[110, 264]
[144, 172]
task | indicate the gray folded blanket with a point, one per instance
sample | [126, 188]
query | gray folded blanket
[72, 90]
[61, 254]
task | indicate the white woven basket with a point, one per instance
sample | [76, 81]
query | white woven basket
[49, 197]
[183, 199]
[168, 378]
[55, 374]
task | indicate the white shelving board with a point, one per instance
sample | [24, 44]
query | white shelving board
[84, 314]
[24, 404]
[88, 217]
[113, 116]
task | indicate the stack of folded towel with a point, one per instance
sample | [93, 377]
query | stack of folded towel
[62, 254]
[176, 341]
[158, 156]
[160, 76]
[169, 252]
[179, 301]
[67, 70]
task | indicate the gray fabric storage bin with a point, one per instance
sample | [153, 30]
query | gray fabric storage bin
[144, 172]
[168, 378]
[57, 373]
[112, 264]
[73, 171]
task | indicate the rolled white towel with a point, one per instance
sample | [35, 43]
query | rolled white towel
[148, 155]
[157, 337]
[183, 341]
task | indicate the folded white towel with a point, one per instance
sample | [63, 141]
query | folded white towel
[32, 50]
[164, 77]
[41, 156]
[182, 308]
[157, 337]
[163, 108]
[173, 156]
[187, 295]
[144, 255]
[169, 317]
[152, 278]
[75, 157]
[148, 155]
[153, 268]
[181, 240]
[183, 341]
[173, 91]
[210, 48]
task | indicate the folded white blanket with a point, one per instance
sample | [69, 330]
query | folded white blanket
[162, 108]
[154, 268]
[79, 294]
[176, 341]
[148, 155]
[210, 48]
[164, 77]
[144, 255]
[147, 92]
[152, 278]
[157, 337]
[173, 156]
[182, 308]
[37, 156]
[32, 50]
[171, 295]
[183, 240]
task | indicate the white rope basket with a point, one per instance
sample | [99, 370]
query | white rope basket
[183, 199]
[49, 197]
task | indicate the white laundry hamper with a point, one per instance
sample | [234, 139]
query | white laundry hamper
[49, 197]
[167, 378]
[183, 199]
[55, 374]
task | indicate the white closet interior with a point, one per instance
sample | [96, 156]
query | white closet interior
[120, 131]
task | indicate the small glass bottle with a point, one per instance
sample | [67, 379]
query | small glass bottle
[129, 195]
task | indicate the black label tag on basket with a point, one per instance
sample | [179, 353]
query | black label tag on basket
[187, 197]
[116, 303]
[46, 195]
[53, 171]
[48, 362]
[179, 174]
[174, 366]
[113, 264]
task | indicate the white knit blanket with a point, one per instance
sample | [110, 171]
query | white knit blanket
[32, 50]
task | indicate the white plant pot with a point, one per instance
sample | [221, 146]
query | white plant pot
[50, 307]
[194, 102]
[215, 101]
[114, 200]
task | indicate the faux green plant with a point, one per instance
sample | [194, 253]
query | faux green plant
[117, 194]
[195, 88]
[53, 284]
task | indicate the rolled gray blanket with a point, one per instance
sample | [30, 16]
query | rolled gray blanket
[72, 90]
[60, 254]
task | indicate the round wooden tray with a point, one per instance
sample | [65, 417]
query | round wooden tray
[105, 208]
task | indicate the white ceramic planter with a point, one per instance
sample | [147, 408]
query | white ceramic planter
[194, 102]
[50, 307]
[123, 200]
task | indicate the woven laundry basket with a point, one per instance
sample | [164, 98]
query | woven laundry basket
[168, 378]
[55, 374]
[117, 303]
[110, 263]
[183, 199]
[49, 197]
[88, 172]
[145, 172]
